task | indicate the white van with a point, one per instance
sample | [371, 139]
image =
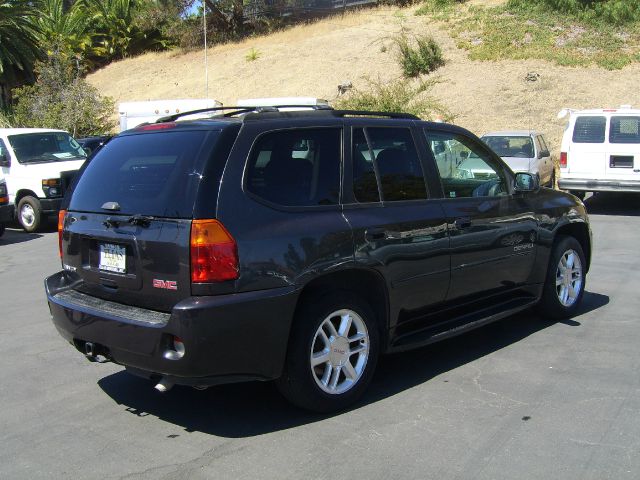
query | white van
[600, 151]
[38, 165]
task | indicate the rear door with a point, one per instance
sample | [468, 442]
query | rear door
[588, 151]
[623, 156]
[127, 230]
[398, 228]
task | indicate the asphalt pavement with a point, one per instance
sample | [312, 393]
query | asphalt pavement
[524, 398]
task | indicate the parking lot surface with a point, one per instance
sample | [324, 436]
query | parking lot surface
[523, 398]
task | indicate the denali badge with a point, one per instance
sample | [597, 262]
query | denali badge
[166, 284]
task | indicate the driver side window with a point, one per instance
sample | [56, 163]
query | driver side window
[466, 169]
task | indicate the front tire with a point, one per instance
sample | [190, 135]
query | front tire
[30, 214]
[564, 285]
[332, 353]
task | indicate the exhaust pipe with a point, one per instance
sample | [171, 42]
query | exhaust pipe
[95, 353]
[164, 385]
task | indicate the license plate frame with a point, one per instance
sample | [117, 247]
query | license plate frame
[112, 258]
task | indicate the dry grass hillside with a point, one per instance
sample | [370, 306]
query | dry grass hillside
[311, 60]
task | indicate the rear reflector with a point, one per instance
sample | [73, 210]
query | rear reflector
[61, 215]
[563, 159]
[214, 253]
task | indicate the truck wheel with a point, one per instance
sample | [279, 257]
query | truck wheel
[332, 353]
[29, 214]
[564, 285]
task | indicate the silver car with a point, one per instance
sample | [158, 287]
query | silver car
[523, 151]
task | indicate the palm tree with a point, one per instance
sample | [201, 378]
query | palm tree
[18, 45]
[65, 26]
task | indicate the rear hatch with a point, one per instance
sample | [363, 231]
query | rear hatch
[127, 230]
[623, 156]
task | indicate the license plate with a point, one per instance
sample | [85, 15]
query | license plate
[113, 258]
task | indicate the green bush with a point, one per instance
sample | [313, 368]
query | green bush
[60, 98]
[424, 58]
[396, 96]
[616, 12]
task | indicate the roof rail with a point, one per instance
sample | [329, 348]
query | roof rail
[367, 113]
[238, 110]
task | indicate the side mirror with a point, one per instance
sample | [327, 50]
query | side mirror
[4, 160]
[543, 154]
[525, 182]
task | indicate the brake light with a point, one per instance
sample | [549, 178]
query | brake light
[157, 126]
[563, 159]
[214, 253]
[61, 215]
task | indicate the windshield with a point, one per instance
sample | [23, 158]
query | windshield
[44, 147]
[510, 146]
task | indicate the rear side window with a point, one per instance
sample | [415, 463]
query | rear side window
[149, 174]
[624, 130]
[589, 129]
[385, 161]
[298, 167]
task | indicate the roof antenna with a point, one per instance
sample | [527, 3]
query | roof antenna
[206, 67]
[531, 77]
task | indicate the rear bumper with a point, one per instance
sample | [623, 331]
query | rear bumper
[227, 338]
[50, 205]
[594, 185]
[7, 213]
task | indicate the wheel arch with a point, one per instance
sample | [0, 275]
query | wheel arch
[20, 194]
[579, 231]
[367, 284]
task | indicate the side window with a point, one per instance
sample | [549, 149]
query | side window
[466, 170]
[296, 167]
[543, 145]
[3, 149]
[624, 130]
[388, 162]
[589, 129]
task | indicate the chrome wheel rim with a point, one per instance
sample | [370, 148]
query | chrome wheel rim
[339, 351]
[27, 215]
[569, 278]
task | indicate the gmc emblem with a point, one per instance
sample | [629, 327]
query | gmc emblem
[165, 284]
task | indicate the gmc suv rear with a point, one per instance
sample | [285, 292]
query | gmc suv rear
[298, 246]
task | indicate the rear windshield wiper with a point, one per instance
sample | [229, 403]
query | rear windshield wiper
[142, 220]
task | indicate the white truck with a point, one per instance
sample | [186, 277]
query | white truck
[600, 150]
[133, 114]
[37, 165]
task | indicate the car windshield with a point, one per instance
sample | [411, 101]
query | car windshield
[45, 147]
[510, 146]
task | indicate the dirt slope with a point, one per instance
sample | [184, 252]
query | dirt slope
[312, 60]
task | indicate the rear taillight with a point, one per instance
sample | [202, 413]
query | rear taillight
[214, 253]
[563, 159]
[61, 215]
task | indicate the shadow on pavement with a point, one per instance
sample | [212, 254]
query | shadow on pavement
[256, 408]
[12, 236]
[605, 203]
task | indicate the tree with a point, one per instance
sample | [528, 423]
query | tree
[18, 46]
[62, 99]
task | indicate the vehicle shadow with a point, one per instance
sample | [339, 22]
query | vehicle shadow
[12, 236]
[611, 203]
[256, 408]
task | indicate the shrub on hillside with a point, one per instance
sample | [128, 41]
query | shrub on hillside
[396, 96]
[423, 58]
[60, 98]
[615, 12]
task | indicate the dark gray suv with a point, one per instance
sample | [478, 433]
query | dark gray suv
[299, 246]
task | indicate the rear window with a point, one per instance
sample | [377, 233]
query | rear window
[624, 130]
[589, 129]
[150, 174]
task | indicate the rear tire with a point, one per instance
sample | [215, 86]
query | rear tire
[565, 281]
[332, 354]
[30, 214]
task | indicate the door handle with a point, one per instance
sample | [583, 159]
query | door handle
[375, 234]
[463, 222]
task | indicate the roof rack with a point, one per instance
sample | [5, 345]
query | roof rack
[239, 110]
[236, 110]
